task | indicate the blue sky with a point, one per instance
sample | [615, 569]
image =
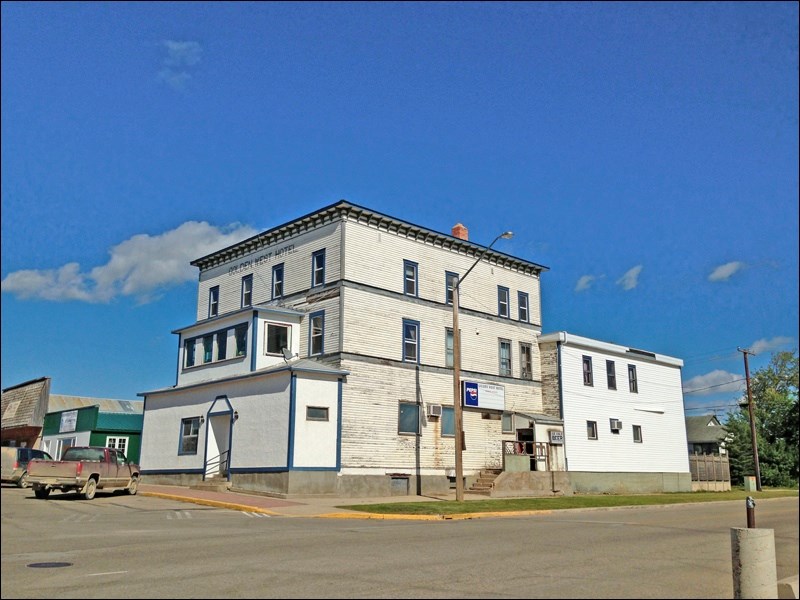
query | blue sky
[646, 153]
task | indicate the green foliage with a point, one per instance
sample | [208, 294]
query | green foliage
[774, 391]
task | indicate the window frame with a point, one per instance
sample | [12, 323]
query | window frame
[277, 282]
[448, 422]
[591, 430]
[208, 348]
[416, 341]
[213, 301]
[312, 337]
[400, 421]
[449, 347]
[523, 307]
[450, 283]
[526, 367]
[247, 291]
[505, 367]
[189, 353]
[194, 432]
[222, 344]
[240, 335]
[414, 281]
[325, 409]
[120, 443]
[637, 434]
[287, 327]
[633, 382]
[503, 292]
[611, 374]
[588, 374]
[318, 270]
[507, 417]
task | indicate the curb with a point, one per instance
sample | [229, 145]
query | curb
[215, 503]
[788, 587]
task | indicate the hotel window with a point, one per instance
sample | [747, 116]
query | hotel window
[241, 340]
[632, 383]
[448, 421]
[587, 371]
[208, 348]
[316, 333]
[637, 434]
[508, 422]
[591, 430]
[190, 429]
[222, 344]
[213, 301]
[505, 357]
[410, 270]
[526, 360]
[408, 419]
[448, 347]
[612, 375]
[522, 301]
[450, 281]
[410, 341]
[277, 338]
[316, 413]
[318, 268]
[503, 301]
[188, 351]
[277, 281]
[247, 290]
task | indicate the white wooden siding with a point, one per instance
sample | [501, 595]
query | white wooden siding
[315, 441]
[657, 408]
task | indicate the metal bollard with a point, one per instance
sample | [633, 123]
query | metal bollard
[751, 512]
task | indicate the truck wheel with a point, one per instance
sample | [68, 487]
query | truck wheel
[23, 481]
[91, 489]
[41, 493]
[133, 487]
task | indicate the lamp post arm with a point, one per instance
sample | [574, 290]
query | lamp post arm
[485, 250]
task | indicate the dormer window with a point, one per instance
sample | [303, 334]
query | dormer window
[278, 337]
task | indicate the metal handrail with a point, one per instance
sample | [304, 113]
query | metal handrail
[217, 461]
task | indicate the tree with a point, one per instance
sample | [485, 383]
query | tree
[774, 390]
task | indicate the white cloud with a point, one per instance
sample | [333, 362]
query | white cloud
[181, 56]
[585, 282]
[765, 345]
[724, 272]
[631, 279]
[141, 266]
[715, 382]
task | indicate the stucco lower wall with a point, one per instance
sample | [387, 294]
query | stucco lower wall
[629, 483]
[531, 483]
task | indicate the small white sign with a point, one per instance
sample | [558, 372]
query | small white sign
[556, 436]
[69, 420]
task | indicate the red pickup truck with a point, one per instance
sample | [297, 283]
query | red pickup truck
[84, 469]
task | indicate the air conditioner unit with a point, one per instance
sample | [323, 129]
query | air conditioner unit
[616, 424]
[434, 410]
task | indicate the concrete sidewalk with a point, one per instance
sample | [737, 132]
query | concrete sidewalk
[310, 507]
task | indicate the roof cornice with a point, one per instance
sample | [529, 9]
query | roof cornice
[347, 211]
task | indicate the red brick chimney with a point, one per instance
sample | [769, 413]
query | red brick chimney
[460, 232]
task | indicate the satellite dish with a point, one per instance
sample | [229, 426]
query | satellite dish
[287, 354]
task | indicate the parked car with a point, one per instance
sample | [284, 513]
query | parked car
[15, 464]
[84, 469]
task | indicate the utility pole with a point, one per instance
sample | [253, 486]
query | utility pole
[753, 437]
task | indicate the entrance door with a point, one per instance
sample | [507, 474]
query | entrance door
[526, 436]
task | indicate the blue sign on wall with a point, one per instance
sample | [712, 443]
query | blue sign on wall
[470, 393]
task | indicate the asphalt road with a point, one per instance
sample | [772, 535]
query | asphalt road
[143, 547]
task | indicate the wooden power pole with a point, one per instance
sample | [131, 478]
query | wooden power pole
[753, 436]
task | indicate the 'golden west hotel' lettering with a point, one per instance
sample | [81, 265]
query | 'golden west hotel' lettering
[261, 259]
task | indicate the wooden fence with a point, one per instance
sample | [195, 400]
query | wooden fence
[710, 472]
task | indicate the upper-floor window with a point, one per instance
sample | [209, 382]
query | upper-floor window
[637, 434]
[522, 301]
[611, 374]
[508, 422]
[188, 351]
[277, 338]
[222, 344]
[410, 341]
[526, 360]
[277, 281]
[505, 357]
[410, 270]
[247, 290]
[213, 301]
[318, 268]
[408, 418]
[450, 280]
[591, 430]
[632, 383]
[241, 340]
[448, 347]
[448, 421]
[208, 348]
[587, 371]
[503, 301]
[190, 429]
[316, 333]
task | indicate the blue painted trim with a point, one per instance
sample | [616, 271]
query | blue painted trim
[339, 394]
[520, 296]
[169, 471]
[500, 290]
[245, 279]
[419, 342]
[180, 437]
[314, 469]
[253, 341]
[180, 359]
[311, 317]
[259, 470]
[292, 416]
[213, 291]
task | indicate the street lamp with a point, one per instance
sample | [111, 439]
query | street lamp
[457, 413]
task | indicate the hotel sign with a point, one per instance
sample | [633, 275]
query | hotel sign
[483, 395]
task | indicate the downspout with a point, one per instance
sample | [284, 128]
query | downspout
[292, 409]
[561, 402]
[254, 341]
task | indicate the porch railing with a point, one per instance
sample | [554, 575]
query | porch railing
[218, 464]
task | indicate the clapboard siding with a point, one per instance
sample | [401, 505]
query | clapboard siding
[657, 408]
[376, 258]
[295, 255]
